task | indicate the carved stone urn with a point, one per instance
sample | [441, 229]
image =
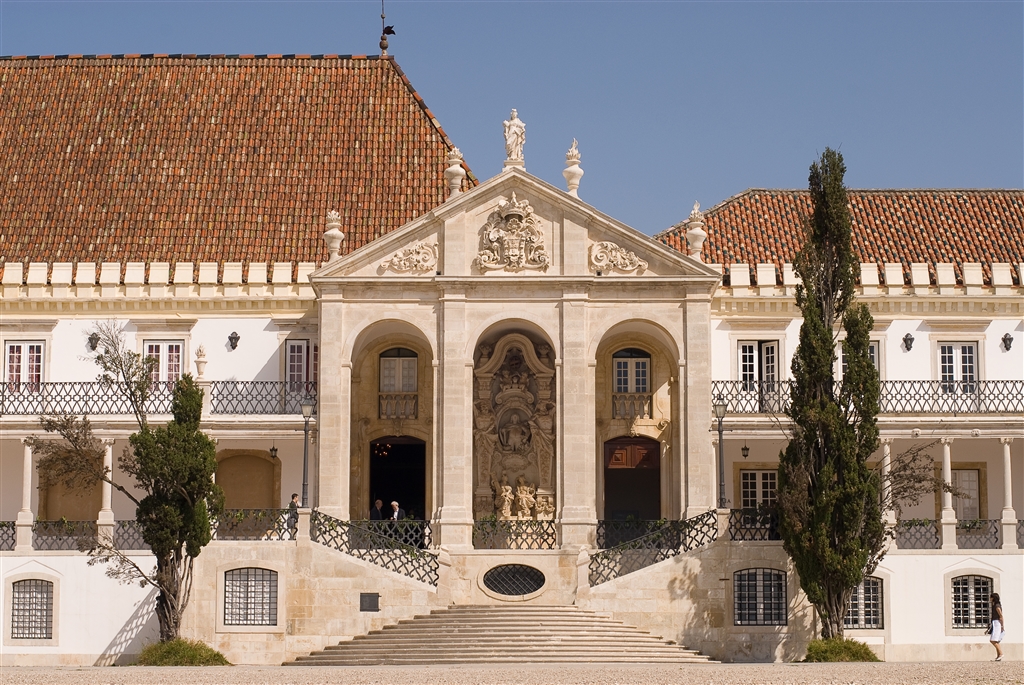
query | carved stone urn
[695, 233]
[454, 173]
[572, 172]
[333, 236]
[200, 361]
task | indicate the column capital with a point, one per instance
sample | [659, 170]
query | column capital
[886, 441]
[1005, 441]
[108, 442]
[946, 440]
[27, 442]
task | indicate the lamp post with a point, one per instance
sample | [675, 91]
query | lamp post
[307, 411]
[720, 408]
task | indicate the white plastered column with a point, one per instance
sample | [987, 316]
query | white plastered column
[1009, 518]
[25, 520]
[334, 415]
[948, 521]
[701, 467]
[888, 513]
[455, 523]
[105, 520]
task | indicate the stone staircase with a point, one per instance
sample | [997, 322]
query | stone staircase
[503, 634]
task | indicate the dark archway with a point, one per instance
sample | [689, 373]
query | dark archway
[398, 472]
[632, 479]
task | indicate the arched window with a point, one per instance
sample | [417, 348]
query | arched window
[759, 597]
[32, 609]
[865, 607]
[631, 398]
[398, 384]
[250, 597]
[971, 601]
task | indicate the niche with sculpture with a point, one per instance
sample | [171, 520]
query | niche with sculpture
[514, 430]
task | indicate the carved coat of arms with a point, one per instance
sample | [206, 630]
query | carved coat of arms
[511, 239]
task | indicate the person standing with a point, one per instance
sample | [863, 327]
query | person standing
[377, 512]
[293, 515]
[397, 513]
[998, 625]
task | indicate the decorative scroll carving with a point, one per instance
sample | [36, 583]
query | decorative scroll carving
[511, 239]
[607, 255]
[421, 256]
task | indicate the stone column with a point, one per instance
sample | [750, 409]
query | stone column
[1009, 519]
[700, 465]
[25, 519]
[948, 520]
[455, 523]
[888, 513]
[334, 414]
[576, 449]
[105, 520]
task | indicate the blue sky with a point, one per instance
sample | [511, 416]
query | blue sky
[670, 101]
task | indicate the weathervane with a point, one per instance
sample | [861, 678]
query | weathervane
[385, 31]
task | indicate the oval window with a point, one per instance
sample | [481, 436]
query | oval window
[514, 580]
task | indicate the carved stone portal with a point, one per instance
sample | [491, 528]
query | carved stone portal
[514, 431]
[511, 239]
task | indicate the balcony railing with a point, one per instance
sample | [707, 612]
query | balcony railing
[918, 534]
[260, 397]
[514, 534]
[631, 406]
[611, 533]
[63, 535]
[88, 397]
[398, 405]
[8, 536]
[895, 397]
[256, 524]
[128, 536]
[364, 542]
[978, 534]
[754, 525]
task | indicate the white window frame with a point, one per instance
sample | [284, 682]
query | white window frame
[874, 351]
[637, 375]
[302, 361]
[967, 508]
[398, 375]
[953, 375]
[758, 361]
[21, 379]
[765, 484]
[860, 605]
[54, 639]
[163, 372]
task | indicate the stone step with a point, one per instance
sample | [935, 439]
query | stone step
[492, 644]
[509, 623]
[518, 660]
[461, 636]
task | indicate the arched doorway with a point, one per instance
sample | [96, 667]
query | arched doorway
[632, 479]
[250, 480]
[398, 473]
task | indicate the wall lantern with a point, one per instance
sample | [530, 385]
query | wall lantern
[233, 339]
[1007, 341]
[94, 341]
[745, 450]
[273, 452]
[908, 341]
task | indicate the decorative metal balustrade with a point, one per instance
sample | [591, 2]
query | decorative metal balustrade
[90, 397]
[359, 540]
[408, 532]
[260, 397]
[1020, 534]
[611, 533]
[8, 536]
[978, 534]
[918, 534]
[398, 405]
[63, 535]
[256, 524]
[631, 406]
[514, 534]
[754, 525]
[669, 540]
[895, 397]
[128, 537]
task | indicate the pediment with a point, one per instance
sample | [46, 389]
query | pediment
[515, 226]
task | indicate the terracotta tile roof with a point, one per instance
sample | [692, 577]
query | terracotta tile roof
[199, 158]
[933, 226]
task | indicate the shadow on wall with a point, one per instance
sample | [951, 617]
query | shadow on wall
[140, 629]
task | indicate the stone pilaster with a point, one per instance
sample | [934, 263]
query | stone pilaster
[948, 520]
[455, 525]
[23, 530]
[576, 444]
[699, 462]
[105, 520]
[334, 414]
[1009, 518]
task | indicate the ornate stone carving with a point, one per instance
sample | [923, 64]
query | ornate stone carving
[695, 233]
[572, 173]
[421, 256]
[515, 138]
[454, 173]
[606, 255]
[525, 499]
[333, 236]
[511, 239]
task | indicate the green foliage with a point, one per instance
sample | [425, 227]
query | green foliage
[830, 518]
[839, 649]
[181, 652]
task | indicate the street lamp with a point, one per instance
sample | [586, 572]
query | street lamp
[307, 411]
[720, 408]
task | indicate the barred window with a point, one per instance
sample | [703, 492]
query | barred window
[250, 597]
[865, 607]
[971, 601]
[759, 597]
[32, 610]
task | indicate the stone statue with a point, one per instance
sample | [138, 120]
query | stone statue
[542, 425]
[525, 499]
[515, 137]
[503, 498]
[515, 435]
[485, 437]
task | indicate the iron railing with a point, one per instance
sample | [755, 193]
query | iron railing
[918, 534]
[415, 534]
[398, 405]
[754, 525]
[88, 397]
[260, 397]
[63, 535]
[8, 536]
[1020, 534]
[631, 406]
[895, 397]
[978, 534]
[128, 536]
[514, 534]
[611, 533]
[256, 524]
[671, 539]
[361, 541]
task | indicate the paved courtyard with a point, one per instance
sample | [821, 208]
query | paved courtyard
[973, 673]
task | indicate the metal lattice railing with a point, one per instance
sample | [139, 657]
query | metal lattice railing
[63, 535]
[128, 536]
[611, 533]
[260, 397]
[1020, 534]
[413, 533]
[673, 538]
[514, 534]
[978, 534]
[360, 541]
[631, 406]
[8, 535]
[753, 525]
[895, 397]
[89, 397]
[918, 534]
[256, 524]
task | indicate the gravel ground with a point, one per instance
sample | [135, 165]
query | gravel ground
[959, 673]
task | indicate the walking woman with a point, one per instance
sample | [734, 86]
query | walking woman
[998, 626]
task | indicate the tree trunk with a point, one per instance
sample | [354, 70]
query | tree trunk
[174, 581]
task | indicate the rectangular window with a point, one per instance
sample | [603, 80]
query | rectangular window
[631, 376]
[398, 374]
[958, 367]
[759, 363]
[24, 364]
[865, 607]
[757, 488]
[759, 597]
[302, 363]
[32, 610]
[967, 507]
[873, 348]
[250, 597]
[168, 355]
[971, 601]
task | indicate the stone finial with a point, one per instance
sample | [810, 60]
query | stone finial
[572, 172]
[695, 233]
[454, 173]
[200, 361]
[333, 235]
[515, 139]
